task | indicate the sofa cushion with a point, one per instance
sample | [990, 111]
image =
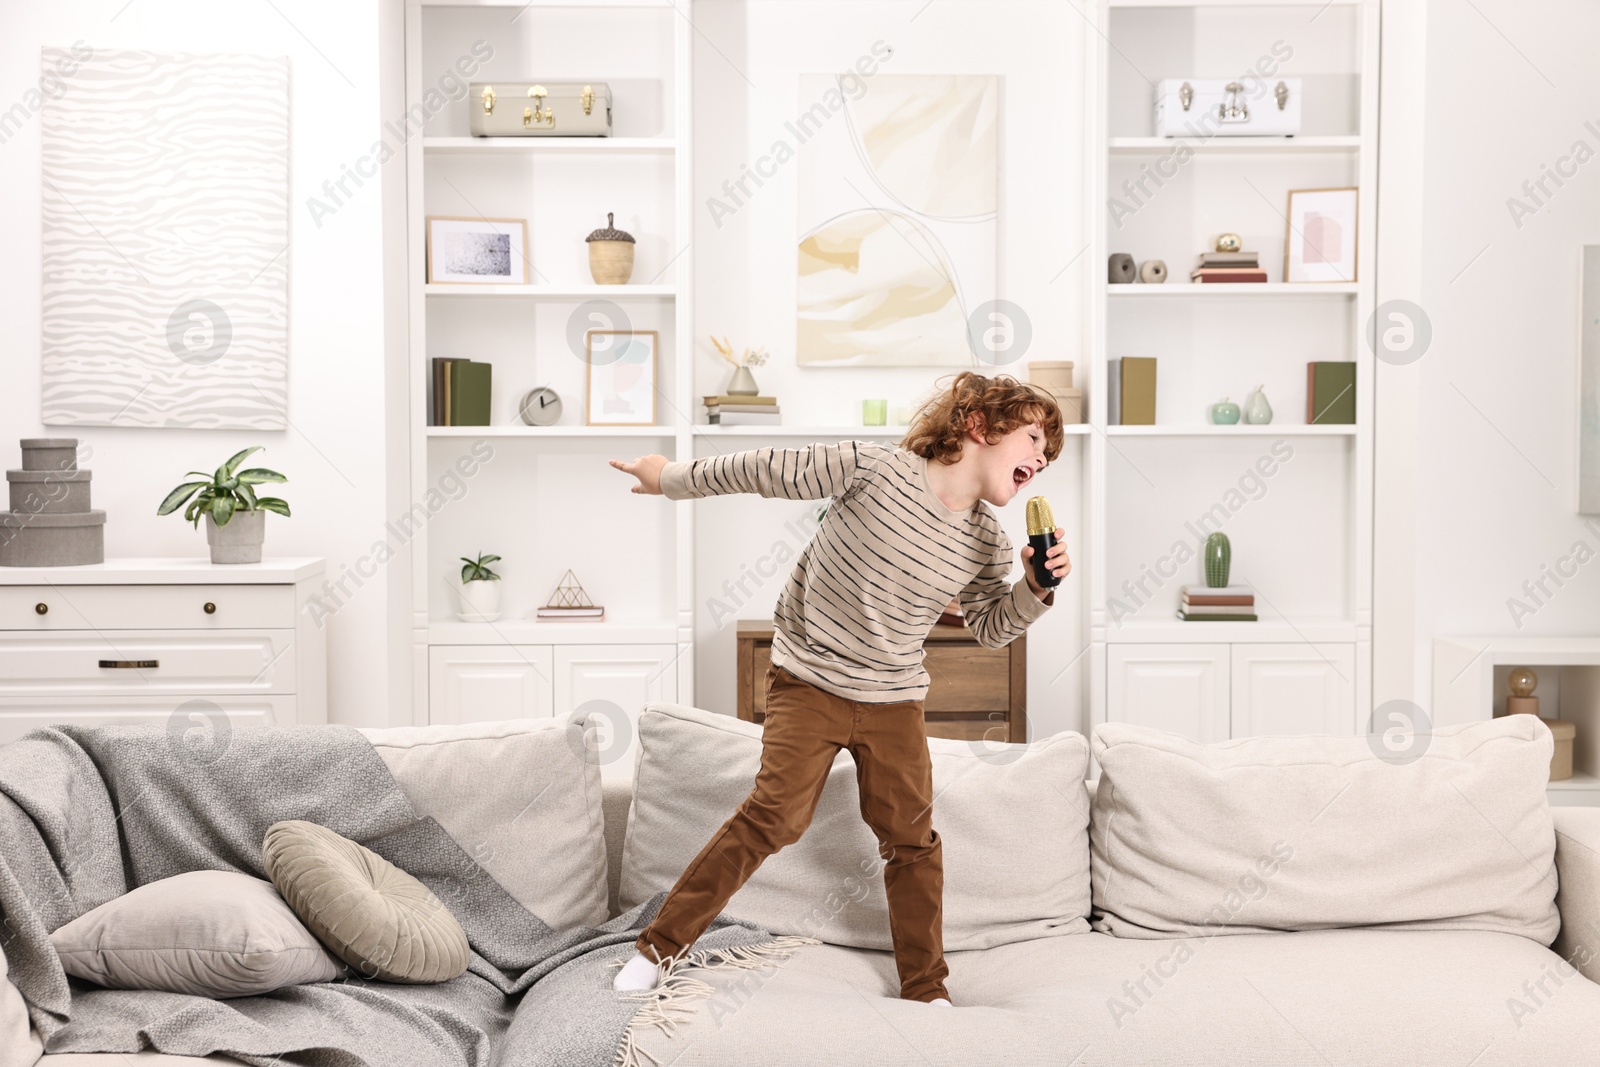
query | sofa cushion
[1316, 832]
[1374, 998]
[522, 797]
[1013, 820]
[205, 933]
[377, 918]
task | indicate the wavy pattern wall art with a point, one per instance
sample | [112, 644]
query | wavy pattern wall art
[165, 199]
[898, 207]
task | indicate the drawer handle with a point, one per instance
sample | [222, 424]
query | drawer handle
[211, 609]
[131, 664]
[41, 608]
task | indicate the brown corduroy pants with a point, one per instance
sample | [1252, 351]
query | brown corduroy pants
[805, 728]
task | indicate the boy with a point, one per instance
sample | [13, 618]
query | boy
[906, 533]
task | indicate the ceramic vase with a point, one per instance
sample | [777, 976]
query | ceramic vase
[743, 383]
[1219, 556]
[1256, 409]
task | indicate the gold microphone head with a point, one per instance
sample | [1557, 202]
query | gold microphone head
[1040, 521]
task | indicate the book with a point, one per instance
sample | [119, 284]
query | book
[1219, 601]
[438, 407]
[1227, 274]
[1208, 617]
[467, 387]
[547, 612]
[1113, 392]
[730, 399]
[1219, 609]
[1217, 590]
[1138, 391]
[746, 418]
[763, 409]
[1330, 394]
[1230, 259]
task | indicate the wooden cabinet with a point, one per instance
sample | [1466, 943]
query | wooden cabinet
[1213, 692]
[974, 693]
[149, 639]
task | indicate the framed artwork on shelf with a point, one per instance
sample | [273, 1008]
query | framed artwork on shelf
[1320, 245]
[477, 251]
[621, 377]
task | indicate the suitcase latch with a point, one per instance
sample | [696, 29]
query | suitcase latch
[488, 100]
[1282, 93]
[1233, 107]
[588, 99]
[538, 116]
[1186, 95]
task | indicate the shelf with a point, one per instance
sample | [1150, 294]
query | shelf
[1216, 289]
[706, 430]
[497, 145]
[1237, 430]
[1577, 781]
[522, 631]
[1235, 3]
[551, 431]
[1220, 145]
[1274, 631]
[552, 292]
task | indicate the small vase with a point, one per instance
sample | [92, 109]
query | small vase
[1219, 556]
[743, 383]
[480, 601]
[239, 540]
[1256, 409]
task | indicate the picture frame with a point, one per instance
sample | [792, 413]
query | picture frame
[1321, 240]
[620, 379]
[472, 250]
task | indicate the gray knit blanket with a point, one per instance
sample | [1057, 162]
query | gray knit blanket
[89, 813]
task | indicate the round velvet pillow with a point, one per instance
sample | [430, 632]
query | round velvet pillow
[371, 914]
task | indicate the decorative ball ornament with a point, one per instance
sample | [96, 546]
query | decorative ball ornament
[1228, 242]
[1153, 272]
[1120, 269]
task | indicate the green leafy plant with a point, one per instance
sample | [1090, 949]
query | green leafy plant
[224, 492]
[477, 570]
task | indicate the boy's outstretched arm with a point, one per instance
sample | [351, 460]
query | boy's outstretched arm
[998, 611]
[809, 472]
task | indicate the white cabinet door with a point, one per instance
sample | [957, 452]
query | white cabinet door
[613, 683]
[486, 683]
[1182, 688]
[1294, 689]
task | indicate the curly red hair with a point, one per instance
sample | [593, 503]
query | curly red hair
[1002, 404]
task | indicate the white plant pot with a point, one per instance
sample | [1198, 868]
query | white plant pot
[240, 540]
[480, 601]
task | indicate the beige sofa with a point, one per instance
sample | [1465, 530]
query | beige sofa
[1336, 996]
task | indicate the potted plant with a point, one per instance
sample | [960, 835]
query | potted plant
[480, 590]
[235, 516]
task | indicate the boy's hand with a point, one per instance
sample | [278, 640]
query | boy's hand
[647, 469]
[1056, 559]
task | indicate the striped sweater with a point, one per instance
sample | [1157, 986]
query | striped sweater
[886, 560]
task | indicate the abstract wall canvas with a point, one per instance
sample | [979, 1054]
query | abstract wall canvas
[898, 199]
[165, 199]
[1589, 384]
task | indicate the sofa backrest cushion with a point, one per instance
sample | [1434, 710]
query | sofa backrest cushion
[520, 796]
[1012, 819]
[1320, 832]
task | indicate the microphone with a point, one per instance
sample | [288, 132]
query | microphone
[1041, 535]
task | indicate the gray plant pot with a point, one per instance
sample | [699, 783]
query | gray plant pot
[240, 540]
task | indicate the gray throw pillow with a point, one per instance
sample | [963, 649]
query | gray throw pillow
[377, 918]
[205, 933]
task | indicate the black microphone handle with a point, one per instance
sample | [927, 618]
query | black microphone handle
[1042, 543]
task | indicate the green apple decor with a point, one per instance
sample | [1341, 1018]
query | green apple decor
[1219, 555]
[1225, 412]
[235, 516]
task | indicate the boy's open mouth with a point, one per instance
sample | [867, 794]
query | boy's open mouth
[1021, 475]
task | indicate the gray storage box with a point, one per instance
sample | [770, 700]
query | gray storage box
[36, 491]
[68, 539]
[49, 453]
[540, 109]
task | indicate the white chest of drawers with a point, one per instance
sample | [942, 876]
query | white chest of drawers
[152, 639]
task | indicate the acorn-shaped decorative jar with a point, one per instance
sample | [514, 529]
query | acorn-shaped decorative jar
[610, 253]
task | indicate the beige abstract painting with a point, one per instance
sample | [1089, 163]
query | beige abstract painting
[898, 204]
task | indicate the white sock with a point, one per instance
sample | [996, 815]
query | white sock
[941, 1000]
[639, 973]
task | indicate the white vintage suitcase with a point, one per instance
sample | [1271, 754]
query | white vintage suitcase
[1222, 107]
[535, 109]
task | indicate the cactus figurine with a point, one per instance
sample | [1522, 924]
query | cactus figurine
[1219, 555]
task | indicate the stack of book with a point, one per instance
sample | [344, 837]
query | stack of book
[729, 410]
[1131, 391]
[1223, 603]
[597, 613]
[1228, 267]
[460, 393]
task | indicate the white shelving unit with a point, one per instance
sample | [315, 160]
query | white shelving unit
[510, 484]
[1302, 535]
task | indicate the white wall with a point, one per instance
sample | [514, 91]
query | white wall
[1509, 90]
[334, 453]
[748, 60]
